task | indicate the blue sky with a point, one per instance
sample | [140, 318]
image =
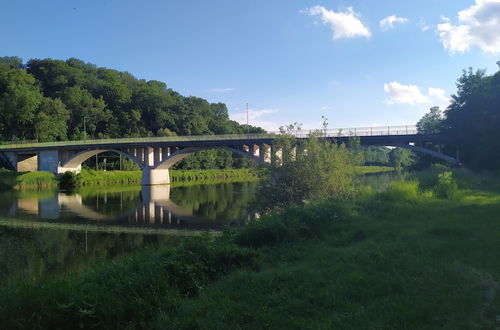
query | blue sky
[356, 62]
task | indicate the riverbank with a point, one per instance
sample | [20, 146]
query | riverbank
[401, 258]
[28, 180]
[42, 180]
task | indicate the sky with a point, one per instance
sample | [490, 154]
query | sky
[359, 63]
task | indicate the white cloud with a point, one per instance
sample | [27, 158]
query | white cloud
[221, 90]
[404, 94]
[388, 22]
[254, 118]
[479, 26]
[326, 107]
[422, 24]
[439, 95]
[412, 95]
[345, 24]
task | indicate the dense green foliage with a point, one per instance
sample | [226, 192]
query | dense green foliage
[320, 169]
[378, 156]
[57, 96]
[51, 100]
[405, 262]
[471, 121]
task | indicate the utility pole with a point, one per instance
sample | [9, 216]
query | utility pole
[84, 129]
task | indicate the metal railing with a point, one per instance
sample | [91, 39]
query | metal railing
[361, 131]
[335, 132]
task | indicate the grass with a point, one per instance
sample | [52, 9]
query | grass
[214, 175]
[389, 264]
[399, 259]
[27, 180]
[43, 180]
[373, 169]
[92, 177]
[92, 228]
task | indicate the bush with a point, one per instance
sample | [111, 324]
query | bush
[446, 186]
[292, 224]
[67, 180]
[401, 191]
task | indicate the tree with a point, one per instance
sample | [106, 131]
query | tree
[431, 122]
[82, 106]
[51, 120]
[12, 62]
[401, 157]
[321, 169]
[102, 102]
[473, 119]
[19, 99]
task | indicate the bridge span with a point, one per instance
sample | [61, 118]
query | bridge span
[155, 155]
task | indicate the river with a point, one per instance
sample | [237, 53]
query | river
[47, 234]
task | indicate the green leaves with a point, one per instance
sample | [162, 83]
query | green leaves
[56, 100]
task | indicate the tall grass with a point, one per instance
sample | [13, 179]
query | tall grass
[27, 180]
[92, 177]
[216, 174]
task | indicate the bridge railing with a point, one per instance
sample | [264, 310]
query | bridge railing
[334, 132]
[361, 131]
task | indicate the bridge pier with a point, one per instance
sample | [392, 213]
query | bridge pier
[151, 176]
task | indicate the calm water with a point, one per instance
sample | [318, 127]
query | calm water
[50, 233]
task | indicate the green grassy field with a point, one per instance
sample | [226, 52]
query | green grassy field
[397, 259]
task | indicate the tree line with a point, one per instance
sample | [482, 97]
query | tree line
[471, 121]
[56, 100]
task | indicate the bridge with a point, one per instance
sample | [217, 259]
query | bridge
[155, 155]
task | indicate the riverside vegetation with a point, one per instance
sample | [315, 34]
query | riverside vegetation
[42, 180]
[408, 257]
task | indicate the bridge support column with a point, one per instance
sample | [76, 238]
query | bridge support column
[165, 152]
[264, 153]
[276, 156]
[254, 150]
[152, 176]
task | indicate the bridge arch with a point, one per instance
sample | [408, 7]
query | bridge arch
[183, 153]
[76, 160]
[433, 153]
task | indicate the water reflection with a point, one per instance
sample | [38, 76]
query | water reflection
[38, 239]
[193, 207]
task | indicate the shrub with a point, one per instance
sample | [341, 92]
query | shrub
[446, 186]
[67, 180]
[401, 191]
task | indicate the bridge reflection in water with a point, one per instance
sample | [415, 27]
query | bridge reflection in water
[149, 207]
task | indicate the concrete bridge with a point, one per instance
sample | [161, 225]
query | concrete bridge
[156, 155]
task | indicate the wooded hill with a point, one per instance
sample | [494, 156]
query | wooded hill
[49, 100]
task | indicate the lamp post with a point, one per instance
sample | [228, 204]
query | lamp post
[84, 129]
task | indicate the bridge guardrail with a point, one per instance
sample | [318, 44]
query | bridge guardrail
[334, 132]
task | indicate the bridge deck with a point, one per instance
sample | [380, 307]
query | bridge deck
[368, 136]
